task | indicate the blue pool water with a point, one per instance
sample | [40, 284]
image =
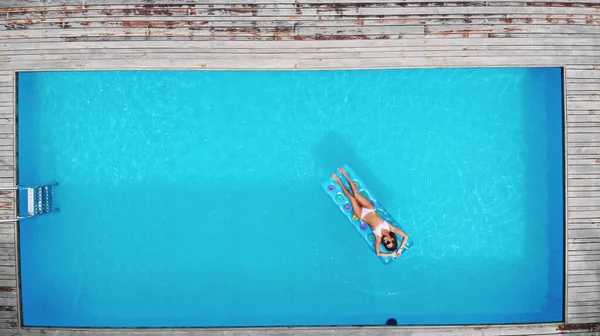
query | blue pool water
[193, 198]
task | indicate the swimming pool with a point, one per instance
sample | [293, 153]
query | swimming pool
[192, 198]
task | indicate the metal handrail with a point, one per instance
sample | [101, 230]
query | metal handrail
[10, 220]
[12, 188]
[15, 188]
[17, 218]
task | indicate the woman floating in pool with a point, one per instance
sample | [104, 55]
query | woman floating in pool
[365, 210]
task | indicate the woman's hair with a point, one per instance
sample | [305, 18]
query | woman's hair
[394, 242]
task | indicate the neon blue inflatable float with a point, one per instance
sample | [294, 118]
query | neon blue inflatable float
[334, 191]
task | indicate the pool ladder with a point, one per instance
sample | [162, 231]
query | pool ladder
[40, 200]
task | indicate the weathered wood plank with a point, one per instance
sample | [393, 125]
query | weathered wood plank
[6, 128]
[591, 150]
[4, 112]
[583, 220]
[581, 245]
[584, 309]
[306, 32]
[586, 240]
[68, 4]
[585, 161]
[7, 262]
[583, 278]
[541, 330]
[7, 173]
[584, 207]
[303, 9]
[584, 315]
[576, 169]
[582, 257]
[7, 272]
[283, 38]
[286, 25]
[582, 80]
[583, 284]
[7, 251]
[574, 92]
[95, 19]
[8, 283]
[331, 52]
[588, 97]
[8, 205]
[575, 157]
[14, 315]
[580, 314]
[583, 112]
[275, 63]
[530, 330]
[577, 73]
[8, 237]
[124, 17]
[582, 105]
[5, 183]
[583, 145]
[6, 97]
[585, 233]
[576, 320]
[582, 226]
[7, 228]
[582, 137]
[10, 325]
[6, 120]
[116, 3]
[590, 291]
[300, 46]
[212, 57]
[8, 301]
[592, 119]
[8, 294]
[585, 86]
[571, 157]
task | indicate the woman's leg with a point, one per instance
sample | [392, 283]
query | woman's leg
[360, 198]
[356, 208]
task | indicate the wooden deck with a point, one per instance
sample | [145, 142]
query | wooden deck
[311, 34]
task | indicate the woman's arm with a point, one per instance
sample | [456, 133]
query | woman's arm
[401, 233]
[378, 248]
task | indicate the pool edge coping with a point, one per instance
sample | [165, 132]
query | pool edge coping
[559, 325]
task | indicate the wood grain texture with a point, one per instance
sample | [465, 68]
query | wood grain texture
[583, 248]
[313, 34]
[354, 331]
[9, 306]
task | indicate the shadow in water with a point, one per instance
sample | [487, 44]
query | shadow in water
[334, 151]
[543, 176]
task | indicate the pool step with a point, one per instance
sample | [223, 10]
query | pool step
[44, 200]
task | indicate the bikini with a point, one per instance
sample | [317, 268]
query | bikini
[382, 226]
